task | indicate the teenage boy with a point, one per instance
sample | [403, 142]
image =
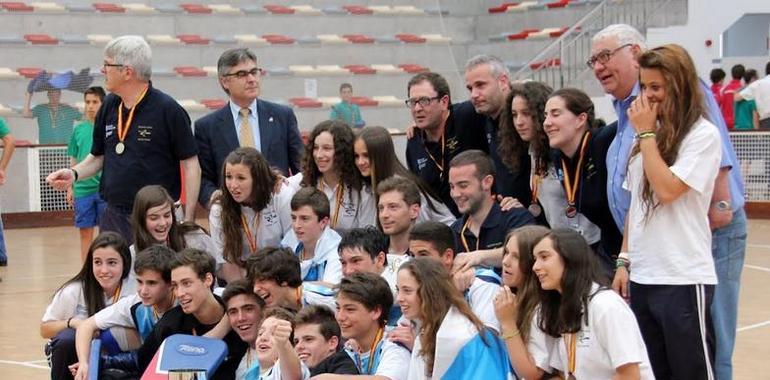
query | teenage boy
[83, 195]
[436, 240]
[311, 239]
[398, 207]
[199, 310]
[318, 341]
[140, 312]
[275, 275]
[364, 250]
[363, 300]
[483, 225]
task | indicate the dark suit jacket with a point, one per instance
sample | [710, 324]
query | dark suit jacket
[216, 138]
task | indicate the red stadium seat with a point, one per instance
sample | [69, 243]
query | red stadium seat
[40, 39]
[278, 39]
[29, 72]
[360, 69]
[559, 33]
[16, 6]
[413, 68]
[190, 71]
[279, 9]
[195, 8]
[357, 9]
[410, 38]
[213, 104]
[558, 4]
[306, 103]
[363, 101]
[109, 8]
[358, 38]
[553, 62]
[501, 8]
[193, 39]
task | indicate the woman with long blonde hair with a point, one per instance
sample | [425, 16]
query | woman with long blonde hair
[667, 239]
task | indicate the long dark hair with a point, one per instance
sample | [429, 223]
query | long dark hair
[344, 158]
[263, 181]
[527, 293]
[437, 294]
[512, 147]
[93, 294]
[384, 163]
[148, 197]
[562, 313]
[680, 110]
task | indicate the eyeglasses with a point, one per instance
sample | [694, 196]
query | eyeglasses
[257, 72]
[423, 102]
[105, 65]
[603, 56]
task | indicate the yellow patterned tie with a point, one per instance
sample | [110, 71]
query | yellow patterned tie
[247, 138]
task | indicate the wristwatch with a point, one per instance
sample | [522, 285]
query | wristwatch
[721, 205]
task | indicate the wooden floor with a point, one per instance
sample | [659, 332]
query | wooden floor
[41, 259]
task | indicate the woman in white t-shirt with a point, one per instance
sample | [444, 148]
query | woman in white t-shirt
[377, 161]
[597, 334]
[529, 348]
[671, 176]
[153, 221]
[452, 342]
[329, 166]
[251, 212]
[101, 282]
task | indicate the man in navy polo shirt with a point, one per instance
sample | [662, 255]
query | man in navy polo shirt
[488, 82]
[483, 225]
[443, 131]
[141, 136]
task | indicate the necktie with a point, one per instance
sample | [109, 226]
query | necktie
[247, 138]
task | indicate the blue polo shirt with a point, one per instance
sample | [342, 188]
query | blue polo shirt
[620, 151]
[159, 137]
[492, 232]
[464, 130]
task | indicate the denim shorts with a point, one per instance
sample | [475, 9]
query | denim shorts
[88, 210]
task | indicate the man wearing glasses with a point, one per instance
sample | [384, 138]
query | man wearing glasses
[613, 61]
[444, 130]
[141, 135]
[245, 121]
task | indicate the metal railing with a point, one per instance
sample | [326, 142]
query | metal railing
[562, 63]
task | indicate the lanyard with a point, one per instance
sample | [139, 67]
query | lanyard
[116, 296]
[339, 194]
[121, 131]
[571, 347]
[252, 240]
[462, 236]
[377, 340]
[571, 186]
[536, 179]
[440, 166]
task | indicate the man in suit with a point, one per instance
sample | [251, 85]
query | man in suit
[245, 121]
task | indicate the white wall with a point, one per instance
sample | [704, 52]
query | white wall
[707, 19]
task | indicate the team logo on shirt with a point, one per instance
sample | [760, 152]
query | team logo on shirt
[270, 216]
[109, 129]
[144, 133]
[452, 144]
[421, 162]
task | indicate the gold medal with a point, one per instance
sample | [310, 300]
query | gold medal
[535, 209]
[120, 147]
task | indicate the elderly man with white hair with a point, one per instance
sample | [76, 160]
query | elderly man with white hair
[141, 135]
[613, 59]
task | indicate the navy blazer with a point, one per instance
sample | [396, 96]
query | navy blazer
[216, 137]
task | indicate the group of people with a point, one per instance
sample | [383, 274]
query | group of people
[738, 98]
[522, 239]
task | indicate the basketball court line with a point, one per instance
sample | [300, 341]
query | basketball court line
[754, 326]
[757, 267]
[27, 364]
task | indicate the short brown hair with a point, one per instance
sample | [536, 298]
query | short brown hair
[314, 198]
[408, 189]
[370, 290]
[482, 161]
[239, 287]
[319, 315]
[440, 85]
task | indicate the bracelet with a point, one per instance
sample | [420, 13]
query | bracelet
[68, 323]
[644, 135]
[622, 263]
[624, 256]
[510, 335]
[75, 173]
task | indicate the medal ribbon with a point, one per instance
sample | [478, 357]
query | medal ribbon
[339, 194]
[116, 296]
[571, 186]
[462, 236]
[121, 131]
[377, 338]
[252, 240]
[535, 187]
[571, 347]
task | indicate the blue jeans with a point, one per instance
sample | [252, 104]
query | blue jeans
[729, 249]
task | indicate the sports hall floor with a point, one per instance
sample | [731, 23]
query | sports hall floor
[41, 259]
